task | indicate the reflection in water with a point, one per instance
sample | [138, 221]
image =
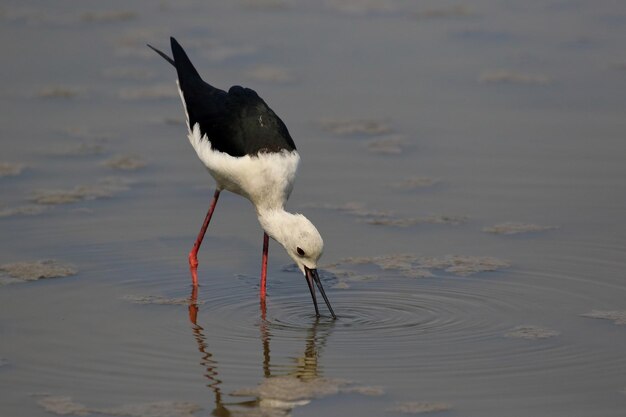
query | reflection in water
[276, 395]
[207, 360]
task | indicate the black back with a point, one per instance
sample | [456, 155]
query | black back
[237, 122]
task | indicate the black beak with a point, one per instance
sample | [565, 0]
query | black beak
[312, 276]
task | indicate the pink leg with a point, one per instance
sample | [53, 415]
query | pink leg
[193, 255]
[266, 241]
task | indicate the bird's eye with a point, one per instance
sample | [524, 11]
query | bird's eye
[300, 251]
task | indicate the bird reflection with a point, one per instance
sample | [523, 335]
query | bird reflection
[207, 361]
[305, 368]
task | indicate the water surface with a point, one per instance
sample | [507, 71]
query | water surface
[463, 162]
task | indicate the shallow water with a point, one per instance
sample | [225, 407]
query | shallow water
[464, 164]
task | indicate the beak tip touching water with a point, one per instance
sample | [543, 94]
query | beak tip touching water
[312, 276]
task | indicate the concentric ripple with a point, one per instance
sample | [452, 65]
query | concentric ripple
[399, 314]
[434, 324]
[437, 326]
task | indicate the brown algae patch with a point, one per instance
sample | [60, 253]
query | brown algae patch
[273, 74]
[387, 218]
[422, 267]
[84, 142]
[289, 388]
[513, 77]
[10, 169]
[370, 391]
[464, 265]
[344, 276]
[64, 405]
[352, 208]
[27, 210]
[35, 270]
[356, 127]
[219, 52]
[617, 317]
[155, 409]
[105, 189]
[392, 145]
[278, 395]
[78, 132]
[513, 228]
[419, 407]
[341, 285]
[86, 148]
[125, 162]
[531, 332]
[412, 221]
[158, 300]
[58, 92]
[414, 183]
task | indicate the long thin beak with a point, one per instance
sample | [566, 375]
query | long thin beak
[312, 276]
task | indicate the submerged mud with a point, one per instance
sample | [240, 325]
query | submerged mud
[35, 270]
[11, 169]
[64, 405]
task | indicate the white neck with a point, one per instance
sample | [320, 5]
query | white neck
[275, 221]
[295, 233]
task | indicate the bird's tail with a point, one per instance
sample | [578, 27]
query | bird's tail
[184, 67]
[165, 57]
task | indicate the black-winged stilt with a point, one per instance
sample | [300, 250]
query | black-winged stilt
[247, 149]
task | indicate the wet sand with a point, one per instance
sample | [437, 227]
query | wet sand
[464, 164]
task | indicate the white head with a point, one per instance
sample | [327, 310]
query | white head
[296, 234]
[302, 242]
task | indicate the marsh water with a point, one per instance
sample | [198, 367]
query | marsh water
[464, 162]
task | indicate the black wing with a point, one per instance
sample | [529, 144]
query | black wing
[237, 122]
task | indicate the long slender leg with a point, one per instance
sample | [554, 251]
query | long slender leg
[266, 241]
[193, 255]
[265, 340]
[193, 305]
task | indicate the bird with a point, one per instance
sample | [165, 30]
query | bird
[248, 150]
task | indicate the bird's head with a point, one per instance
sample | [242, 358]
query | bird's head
[302, 242]
[297, 235]
[305, 245]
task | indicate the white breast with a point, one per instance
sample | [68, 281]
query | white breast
[265, 179]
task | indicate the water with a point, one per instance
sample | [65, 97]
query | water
[421, 127]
